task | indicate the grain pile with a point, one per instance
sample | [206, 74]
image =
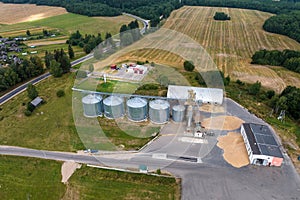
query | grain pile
[16, 13]
[211, 108]
[235, 152]
[227, 123]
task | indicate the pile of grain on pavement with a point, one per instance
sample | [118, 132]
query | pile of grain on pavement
[67, 169]
[227, 123]
[211, 108]
[16, 13]
[235, 152]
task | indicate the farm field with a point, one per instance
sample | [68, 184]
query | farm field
[69, 23]
[30, 178]
[230, 44]
[16, 13]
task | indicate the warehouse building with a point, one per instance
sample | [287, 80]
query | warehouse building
[204, 95]
[261, 145]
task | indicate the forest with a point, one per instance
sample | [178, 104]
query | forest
[289, 59]
[285, 24]
[29, 68]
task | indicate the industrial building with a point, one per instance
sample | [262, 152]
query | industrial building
[159, 110]
[261, 145]
[204, 95]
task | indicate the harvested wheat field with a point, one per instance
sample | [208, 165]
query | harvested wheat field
[226, 123]
[231, 44]
[43, 43]
[16, 13]
[235, 152]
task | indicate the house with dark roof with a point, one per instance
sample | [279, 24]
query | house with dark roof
[261, 145]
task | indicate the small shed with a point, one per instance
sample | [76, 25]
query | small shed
[37, 101]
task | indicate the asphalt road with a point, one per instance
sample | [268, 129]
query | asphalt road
[23, 87]
[199, 180]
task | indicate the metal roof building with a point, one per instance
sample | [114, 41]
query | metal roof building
[261, 145]
[206, 95]
[37, 101]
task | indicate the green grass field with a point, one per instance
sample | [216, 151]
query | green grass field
[52, 130]
[51, 126]
[69, 23]
[31, 178]
[106, 184]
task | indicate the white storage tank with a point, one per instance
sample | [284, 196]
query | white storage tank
[137, 109]
[92, 105]
[178, 113]
[159, 111]
[113, 107]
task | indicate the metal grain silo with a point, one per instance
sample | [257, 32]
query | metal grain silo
[159, 111]
[113, 107]
[92, 105]
[137, 109]
[178, 113]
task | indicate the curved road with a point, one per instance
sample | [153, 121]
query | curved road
[23, 87]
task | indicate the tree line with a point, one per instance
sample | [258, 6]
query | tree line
[57, 62]
[17, 73]
[129, 33]
[289, 59]
[87, 42]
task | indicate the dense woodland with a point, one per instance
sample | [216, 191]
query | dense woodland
[289, 59]
[87, 42]
[57, 62]
[16, 73]
[285, 24]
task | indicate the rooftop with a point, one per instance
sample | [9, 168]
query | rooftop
[202, 94]
[262, 140]
[36, 101]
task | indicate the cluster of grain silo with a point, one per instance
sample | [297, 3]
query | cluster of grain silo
[136, 110]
